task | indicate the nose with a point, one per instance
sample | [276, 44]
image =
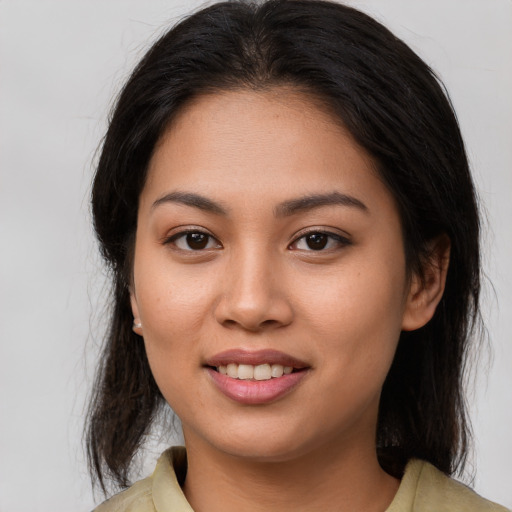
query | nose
[254, 294]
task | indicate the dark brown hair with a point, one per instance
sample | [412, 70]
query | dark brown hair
[395, 107]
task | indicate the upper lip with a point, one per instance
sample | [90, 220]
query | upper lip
[255, 357]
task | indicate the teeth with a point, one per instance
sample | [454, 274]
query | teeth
[261, 372]
[245, 371]
[249, 372]
[232, 370]
[277, 370]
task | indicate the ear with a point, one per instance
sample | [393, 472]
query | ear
[137, 324]
[427, 289]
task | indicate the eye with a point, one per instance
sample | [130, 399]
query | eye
[193, 241]
[319, 241]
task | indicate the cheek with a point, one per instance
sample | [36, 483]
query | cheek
[169, 299]
[172, 309]
[172, 313]
[360, 318]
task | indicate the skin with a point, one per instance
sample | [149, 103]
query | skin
[257, 284]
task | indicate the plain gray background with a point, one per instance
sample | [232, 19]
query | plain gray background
[61, 63]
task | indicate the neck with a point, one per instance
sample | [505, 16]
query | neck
[327, 479]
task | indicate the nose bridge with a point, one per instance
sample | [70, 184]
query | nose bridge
[252, 277]
[253, 295]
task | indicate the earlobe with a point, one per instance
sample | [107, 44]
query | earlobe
[137, 324]
[426, 290]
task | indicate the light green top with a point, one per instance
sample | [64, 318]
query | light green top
[423, 489]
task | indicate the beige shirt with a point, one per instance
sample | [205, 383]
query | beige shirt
[423, 489]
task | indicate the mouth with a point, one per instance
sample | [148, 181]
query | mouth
[265, 371]
[255, 377]
[255, 365]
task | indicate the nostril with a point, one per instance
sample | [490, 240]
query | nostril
[269, 312]
[250, 326]
[269, 323]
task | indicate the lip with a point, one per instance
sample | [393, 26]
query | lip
[254, 392]
[255, 357]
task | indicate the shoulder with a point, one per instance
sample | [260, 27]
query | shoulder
[136, 498]
[424, 488]
[160, 491]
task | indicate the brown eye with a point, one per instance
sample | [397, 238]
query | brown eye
[316, 241]
[193, 241]
[320, 241]
[197, 241]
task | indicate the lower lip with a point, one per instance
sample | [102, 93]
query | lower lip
[256, 392]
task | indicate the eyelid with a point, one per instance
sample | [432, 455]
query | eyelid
[182, 231]
[342, 239]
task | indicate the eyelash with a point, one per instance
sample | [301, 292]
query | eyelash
[184, 234]
[338, 239]
[324, 242]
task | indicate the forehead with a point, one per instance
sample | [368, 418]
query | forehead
[271, 144]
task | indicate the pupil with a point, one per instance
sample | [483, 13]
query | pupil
[316, 241]
[197, 240]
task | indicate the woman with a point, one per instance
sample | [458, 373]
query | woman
[285, 202]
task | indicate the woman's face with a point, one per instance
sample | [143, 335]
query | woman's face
[266, 243]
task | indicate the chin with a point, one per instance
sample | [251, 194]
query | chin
[261, 445]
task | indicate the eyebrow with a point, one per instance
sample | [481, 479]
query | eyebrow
[191, 199]
[284, 209]
[310, 202]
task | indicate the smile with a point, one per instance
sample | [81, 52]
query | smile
[264, 371]
[255, 377]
